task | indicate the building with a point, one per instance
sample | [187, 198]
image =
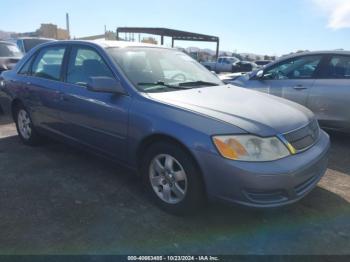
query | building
[46, 31]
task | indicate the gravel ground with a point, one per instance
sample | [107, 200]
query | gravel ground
[58, 200]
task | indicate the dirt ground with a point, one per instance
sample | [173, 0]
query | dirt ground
[58, 200]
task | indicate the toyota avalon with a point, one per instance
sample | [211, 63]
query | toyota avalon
[156, 110]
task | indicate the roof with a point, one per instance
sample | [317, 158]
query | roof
[7, 42]
[330, 52]
[29, 37]
[111, 43]
[175, 34]
[106, 43]
[325, 52]
[227, 57]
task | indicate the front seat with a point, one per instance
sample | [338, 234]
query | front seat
[138, 72]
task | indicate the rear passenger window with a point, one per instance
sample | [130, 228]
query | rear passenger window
[338, 67]
[85, 63]
[48, 63]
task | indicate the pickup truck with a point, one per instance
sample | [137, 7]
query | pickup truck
[230, 64]
[223, 64]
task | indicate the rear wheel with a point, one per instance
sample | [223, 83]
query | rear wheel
[25, 128]
[172, 178]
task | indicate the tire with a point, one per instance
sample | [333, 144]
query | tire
[182, 178]
[25, 128]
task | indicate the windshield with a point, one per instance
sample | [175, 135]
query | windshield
[161, 70]
[9, 50]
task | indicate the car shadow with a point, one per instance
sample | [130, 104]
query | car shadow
[340, 152]
[64, 196]
[4, 119]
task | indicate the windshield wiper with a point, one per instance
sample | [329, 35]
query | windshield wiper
[198, 83]
[160, 83]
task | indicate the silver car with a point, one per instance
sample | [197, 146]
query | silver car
[317, 80]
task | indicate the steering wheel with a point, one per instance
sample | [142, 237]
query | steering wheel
[179, 77]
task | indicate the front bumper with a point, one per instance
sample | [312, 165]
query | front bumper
[265, 184]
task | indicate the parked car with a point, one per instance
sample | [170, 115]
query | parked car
[25, 44]
[9, 55]
[317, 80]
[158, 111]
[228, 78]
[230, 64]
[262, 63]
[244, 66]
[223, 64]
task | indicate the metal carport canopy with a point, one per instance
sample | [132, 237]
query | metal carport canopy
[174, 34]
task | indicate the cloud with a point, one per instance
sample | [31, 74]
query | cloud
[337, 11]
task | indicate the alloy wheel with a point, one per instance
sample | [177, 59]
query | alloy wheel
[24, 124]
[168, 179]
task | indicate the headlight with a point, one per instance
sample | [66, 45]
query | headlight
[251, 148]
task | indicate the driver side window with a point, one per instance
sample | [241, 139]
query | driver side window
[298, 68]
[85, 63]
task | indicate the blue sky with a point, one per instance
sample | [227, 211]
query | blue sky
[259, 26]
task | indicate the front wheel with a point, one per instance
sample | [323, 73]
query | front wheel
[25, 128]
[172, 179]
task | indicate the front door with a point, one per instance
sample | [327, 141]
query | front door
[292, 79]
[99, 120]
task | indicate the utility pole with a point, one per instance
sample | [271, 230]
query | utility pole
[67, 25]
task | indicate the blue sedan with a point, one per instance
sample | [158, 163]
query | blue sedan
[156, 110]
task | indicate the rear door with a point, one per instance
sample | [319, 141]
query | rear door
[330, 95]
[292, 79]
[42, 86]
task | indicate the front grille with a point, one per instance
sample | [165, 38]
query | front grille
[304, 137]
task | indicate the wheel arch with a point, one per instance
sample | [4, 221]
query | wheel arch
[146, 142]
[155, 138]
[14, 105]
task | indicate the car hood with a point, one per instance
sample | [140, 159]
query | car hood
[252, 111]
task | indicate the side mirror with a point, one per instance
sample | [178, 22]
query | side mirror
[105, 84]
[260, 74]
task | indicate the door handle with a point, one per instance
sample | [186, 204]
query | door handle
[299, 87]
[63, 96]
